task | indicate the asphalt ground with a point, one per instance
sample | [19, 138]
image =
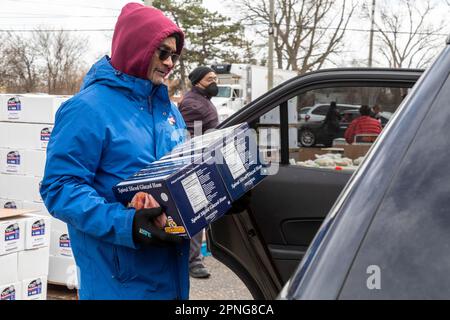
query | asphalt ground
[223, 284]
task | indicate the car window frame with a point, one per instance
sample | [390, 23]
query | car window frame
[357, 78]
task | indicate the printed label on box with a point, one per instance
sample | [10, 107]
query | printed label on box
[233, 160]
[45, 136]
[13, 161]
[14, 107]
[12, 232]
[38, 228]
[195, 193]
[8, 293]
[10, 205]
[64, 245]
[34, 288]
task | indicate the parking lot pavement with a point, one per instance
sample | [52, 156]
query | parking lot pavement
[222, 285]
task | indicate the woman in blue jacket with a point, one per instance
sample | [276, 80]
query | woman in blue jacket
[119, 122]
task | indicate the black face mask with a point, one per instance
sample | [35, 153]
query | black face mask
[212, 90]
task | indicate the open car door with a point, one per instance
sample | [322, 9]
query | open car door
[265, 243]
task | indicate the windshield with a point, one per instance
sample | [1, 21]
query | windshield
[224, 92]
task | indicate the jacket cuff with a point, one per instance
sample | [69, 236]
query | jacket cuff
[125, 234]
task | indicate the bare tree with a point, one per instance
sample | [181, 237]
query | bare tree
[44, 61]
[19, 72]
[407, 37]
[307, 32]
[61, 54]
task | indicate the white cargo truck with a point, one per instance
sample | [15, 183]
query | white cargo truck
[241, 83]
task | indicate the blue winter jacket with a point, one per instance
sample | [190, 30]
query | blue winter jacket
[104, 134]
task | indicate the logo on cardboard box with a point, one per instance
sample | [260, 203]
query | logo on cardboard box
[45, 134]
[8, 293]
[173, 227]
[38, 228]
[14, 104]
[65, 246]
[35, 288]
[10, 205]
[13, 157]
[12, 232]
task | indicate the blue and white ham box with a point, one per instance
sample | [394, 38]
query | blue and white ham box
[190, 192]
[236, 154]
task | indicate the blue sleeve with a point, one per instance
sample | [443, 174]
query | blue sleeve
[73, 157]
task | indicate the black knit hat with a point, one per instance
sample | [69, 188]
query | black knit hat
[198, 73]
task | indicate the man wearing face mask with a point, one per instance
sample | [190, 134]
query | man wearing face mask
[200, 115]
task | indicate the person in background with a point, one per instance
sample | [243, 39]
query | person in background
[119, 122]
[331, 123]
[364, 124]
[200, 115]
[375, 112]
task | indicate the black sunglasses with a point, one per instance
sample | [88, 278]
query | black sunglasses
[165, 54]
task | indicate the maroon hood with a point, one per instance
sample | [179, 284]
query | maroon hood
[138, 33]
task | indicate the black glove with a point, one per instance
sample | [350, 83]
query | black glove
[241, 204]
[146, 233]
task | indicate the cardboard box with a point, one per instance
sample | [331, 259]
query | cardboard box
[21, 187]
[354, 151]
[196, 182]
[9, 269]
[12, 235]
[30, 108]
[60, 245]
[28, 136]
[63, 271]
[11, 204]
[22, 162]
[11, 291]
[191, 193]
[33, 263]
[34, 288]
[41, 210]
[37, 231]
[235, 153]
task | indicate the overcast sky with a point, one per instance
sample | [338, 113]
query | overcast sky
[102, 14]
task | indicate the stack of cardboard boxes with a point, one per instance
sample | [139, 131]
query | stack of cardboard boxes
[26, 123]
[24, 256]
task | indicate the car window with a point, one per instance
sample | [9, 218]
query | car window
[316, 144]
[321, 110]
[304, 110]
